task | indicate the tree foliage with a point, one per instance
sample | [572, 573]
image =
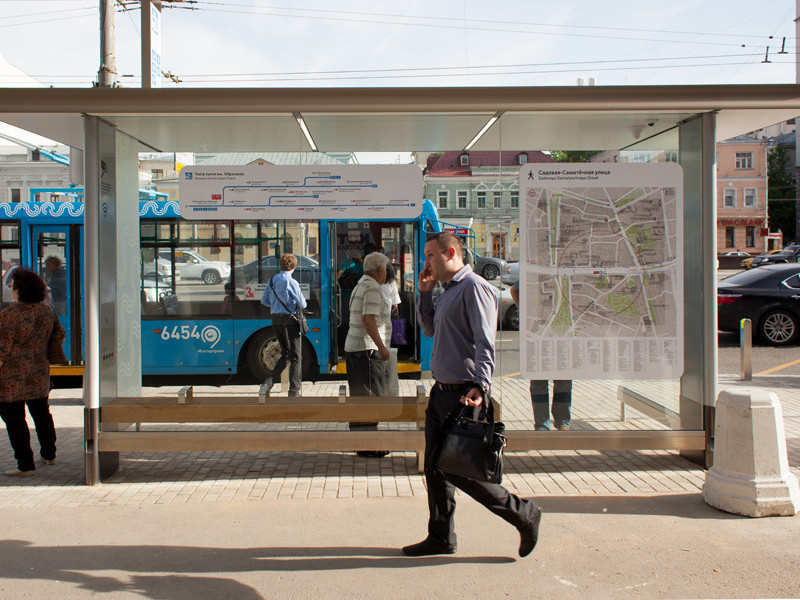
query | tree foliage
[572, 156]
[781, 194]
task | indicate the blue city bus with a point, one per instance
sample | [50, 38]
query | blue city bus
[201, 283]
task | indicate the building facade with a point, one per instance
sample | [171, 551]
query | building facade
[23, 170]
[742, 195]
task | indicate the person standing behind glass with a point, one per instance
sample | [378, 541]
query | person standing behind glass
[366, 348]
[283, 297]
[348, 275]
[389, 290]
[562, 395]
[55, 276]
[25, 330]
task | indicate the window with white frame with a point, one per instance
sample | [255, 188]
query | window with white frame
[462, 199]
[16, 194]
[749, 196]
[514, 199]
[729, 198]
[464, 160]
[744, 160]
[496, 201]
[481, 199]
[443, 196]
[750, 236]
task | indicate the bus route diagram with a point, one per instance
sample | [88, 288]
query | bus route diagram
[300, 192]
[601, 271]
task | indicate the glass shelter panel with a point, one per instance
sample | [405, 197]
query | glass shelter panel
[590, 405]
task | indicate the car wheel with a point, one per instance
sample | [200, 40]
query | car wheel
[490, 272]
[264, 351]
[211, 277]
[512, 318]
[778, 328]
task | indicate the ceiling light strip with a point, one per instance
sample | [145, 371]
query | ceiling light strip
[484, 129]
[304, 128]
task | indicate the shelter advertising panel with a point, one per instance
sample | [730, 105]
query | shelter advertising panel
[601, 267]
[301, 192]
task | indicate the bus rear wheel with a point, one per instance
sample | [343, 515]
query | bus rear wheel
[264, 351]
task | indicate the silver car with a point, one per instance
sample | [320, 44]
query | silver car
[487, 267]
[511, 274]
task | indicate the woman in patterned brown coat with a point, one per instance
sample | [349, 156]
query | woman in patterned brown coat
[25, 330]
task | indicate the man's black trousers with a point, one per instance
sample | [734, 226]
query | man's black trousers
[441, 488]
[287, 330]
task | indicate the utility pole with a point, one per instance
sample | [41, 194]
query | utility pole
[107, 74]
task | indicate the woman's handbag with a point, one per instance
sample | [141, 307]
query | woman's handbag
[472, 447]
[55, 351]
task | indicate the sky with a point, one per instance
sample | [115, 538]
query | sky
[357, 43]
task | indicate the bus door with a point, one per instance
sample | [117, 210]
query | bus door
[56, 256]
[350, 242]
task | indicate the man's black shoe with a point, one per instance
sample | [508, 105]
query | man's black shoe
[428, 548]
[529, 534]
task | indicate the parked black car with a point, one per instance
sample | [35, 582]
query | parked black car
[769, 296]
[787, 255]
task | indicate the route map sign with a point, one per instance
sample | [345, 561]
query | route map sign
[601, 266]
[300, 192]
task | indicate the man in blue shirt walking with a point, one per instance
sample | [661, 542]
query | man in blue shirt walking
[283, 297]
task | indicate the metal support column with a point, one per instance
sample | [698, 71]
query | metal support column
[91, 262]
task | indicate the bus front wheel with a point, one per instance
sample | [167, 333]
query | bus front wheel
[264, 351]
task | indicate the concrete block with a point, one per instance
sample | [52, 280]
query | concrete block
[750, 475]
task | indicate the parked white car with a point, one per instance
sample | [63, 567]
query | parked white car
[161, 268]
[196, 266]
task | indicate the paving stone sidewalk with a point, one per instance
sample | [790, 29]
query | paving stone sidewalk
[203, 477]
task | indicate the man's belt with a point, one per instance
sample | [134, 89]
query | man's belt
[455, 387]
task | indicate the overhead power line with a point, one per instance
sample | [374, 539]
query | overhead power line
[585, 65]
[459, 25]
[460, 21]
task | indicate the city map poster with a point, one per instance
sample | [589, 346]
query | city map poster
[601, 271]
[351, 192]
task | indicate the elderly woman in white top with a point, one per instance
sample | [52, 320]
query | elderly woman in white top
[366, 348]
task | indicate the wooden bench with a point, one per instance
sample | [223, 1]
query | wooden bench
[186, 407]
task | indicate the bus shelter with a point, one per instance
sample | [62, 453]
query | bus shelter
[676, 123]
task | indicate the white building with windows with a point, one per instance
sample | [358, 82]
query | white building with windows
[480, 190]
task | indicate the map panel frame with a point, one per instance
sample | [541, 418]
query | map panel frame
[601, 271]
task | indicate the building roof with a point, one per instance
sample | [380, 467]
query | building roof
[785, 139]
[273, 158]
[744, 139]
[448, 164]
